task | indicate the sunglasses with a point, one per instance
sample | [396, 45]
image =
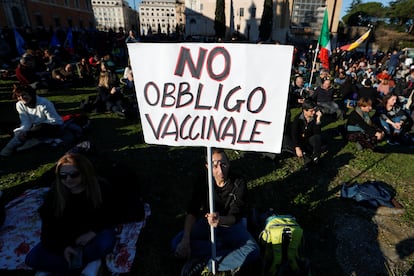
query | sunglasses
[71, 174]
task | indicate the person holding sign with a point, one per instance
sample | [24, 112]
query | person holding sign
[235, 245]
[306, 133]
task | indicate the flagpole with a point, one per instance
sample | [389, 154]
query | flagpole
[313, 64]
[211, 205]
[323, 40]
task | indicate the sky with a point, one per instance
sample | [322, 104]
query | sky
[347, 3]
[131, 3]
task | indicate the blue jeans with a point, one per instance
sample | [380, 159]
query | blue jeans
[235, 246]
[391, 70]
[388, 128]
[40, 258]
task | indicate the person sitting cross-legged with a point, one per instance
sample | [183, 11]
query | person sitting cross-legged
[78, 220]
[235, 246]
[360, 128]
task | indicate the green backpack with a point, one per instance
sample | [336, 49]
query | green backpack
[282, 242]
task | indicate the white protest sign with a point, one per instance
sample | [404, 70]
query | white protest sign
[217, 95]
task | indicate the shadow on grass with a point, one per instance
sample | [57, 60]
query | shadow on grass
[166, 175]
[308, 196]
[404, 249]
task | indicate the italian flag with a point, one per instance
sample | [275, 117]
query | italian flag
[324, 42]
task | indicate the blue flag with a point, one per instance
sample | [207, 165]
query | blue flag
[69, 41]
[19, 43]
[54, 42]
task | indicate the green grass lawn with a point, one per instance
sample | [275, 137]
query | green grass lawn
[164, 175]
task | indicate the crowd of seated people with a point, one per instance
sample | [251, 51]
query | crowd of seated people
[349, 77]
[50, 67]
[373, 102]
[54, 66]
[373, 110]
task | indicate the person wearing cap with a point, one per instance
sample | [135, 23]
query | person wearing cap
[383, 75]
[38, 120]
[306, 133]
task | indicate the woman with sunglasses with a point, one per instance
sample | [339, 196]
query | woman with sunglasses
[77, 221]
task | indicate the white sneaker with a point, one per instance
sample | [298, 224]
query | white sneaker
[92, 268]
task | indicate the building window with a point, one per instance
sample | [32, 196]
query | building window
[17, 17]
[241, 12]
[57, 21]
[67, 3]
[39, 20]
[77, 4]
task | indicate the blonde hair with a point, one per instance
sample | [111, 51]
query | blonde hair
[104, 79]
[89, 180]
